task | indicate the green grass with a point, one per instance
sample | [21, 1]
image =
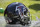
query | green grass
[27, 3]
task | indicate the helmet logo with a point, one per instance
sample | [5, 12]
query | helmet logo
[21, 10]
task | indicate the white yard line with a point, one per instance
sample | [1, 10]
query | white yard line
[2, 21]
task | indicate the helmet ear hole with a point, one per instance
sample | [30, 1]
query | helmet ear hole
[25, 13]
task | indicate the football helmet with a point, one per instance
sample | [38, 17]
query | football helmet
[17, 13]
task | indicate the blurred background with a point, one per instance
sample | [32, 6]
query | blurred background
[33, 5]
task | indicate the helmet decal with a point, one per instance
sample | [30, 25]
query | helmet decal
[21, 10]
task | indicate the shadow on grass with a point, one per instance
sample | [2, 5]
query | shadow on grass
[35, 7]
[35, 0]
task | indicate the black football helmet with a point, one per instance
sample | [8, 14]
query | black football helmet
[16, 13]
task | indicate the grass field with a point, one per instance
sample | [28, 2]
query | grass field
[33, 5]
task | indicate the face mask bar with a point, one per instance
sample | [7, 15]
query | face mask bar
[25, 18]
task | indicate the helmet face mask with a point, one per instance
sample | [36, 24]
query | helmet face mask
[17, 12]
